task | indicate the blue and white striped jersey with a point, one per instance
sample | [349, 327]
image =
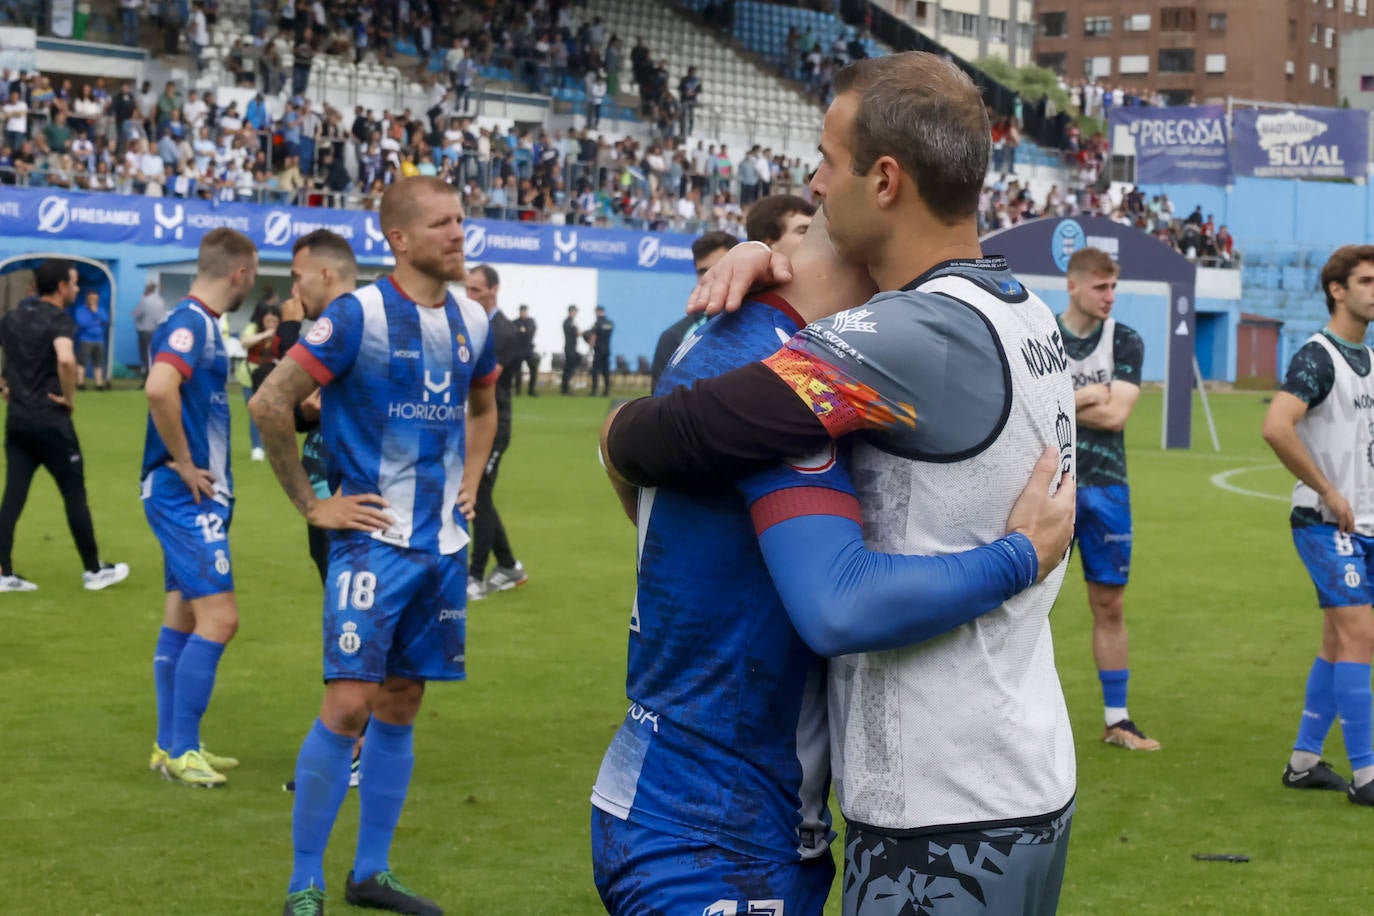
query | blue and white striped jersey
[396, 375]
[188, 339]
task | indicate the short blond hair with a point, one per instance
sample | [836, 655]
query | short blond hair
[223, 251]
[1093, 261]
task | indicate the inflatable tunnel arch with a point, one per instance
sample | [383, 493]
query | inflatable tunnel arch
[1038, 251]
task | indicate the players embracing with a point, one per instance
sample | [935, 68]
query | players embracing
[407, 370]
[952, 753]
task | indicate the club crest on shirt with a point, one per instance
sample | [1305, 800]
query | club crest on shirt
[818, 463]
[181, 340]
[320, 331]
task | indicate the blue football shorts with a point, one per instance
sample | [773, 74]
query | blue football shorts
[391, 611]
[1103, 532]
[641, 871]
[194, 537]
[1339, 564]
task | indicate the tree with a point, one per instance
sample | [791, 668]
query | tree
[1032, 83]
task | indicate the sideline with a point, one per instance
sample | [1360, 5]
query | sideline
[1223, 481]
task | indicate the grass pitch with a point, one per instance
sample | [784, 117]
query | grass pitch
[1223, 628]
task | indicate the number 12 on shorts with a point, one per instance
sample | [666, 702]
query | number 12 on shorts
[363, 590]
[211, 527]
[752, 908]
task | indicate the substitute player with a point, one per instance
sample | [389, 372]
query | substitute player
[954, 759]
[741, 729]
[1105, 358]
[188, 498]
[402, 361]
[1321, 425]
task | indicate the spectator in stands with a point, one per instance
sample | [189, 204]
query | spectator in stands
[167, 147]
[197, 35]
[763, 164]
[1226, 246]
[780, 222]
[86, 110]
[640, 69]
[310, 127]
[613, 62]
[596, 98]
[83, 150]
[302, 56]
[16, 113]
[689, 93]
[123, 106]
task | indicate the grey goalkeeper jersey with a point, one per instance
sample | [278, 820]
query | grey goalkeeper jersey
[960, 381]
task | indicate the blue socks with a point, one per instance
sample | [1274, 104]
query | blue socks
[165, 657]
[387, 761]
[1318, 708]
[1114, 693]
[321, 783]
[194, 681]
[1350, 681]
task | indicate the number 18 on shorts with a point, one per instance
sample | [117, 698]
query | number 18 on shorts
[389, 611]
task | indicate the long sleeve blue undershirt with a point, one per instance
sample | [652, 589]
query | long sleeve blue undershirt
[844, 598]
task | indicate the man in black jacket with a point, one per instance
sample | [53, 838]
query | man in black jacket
[571, 358]
[40, 386]
[123, 106]
[599, 339]
[488, 533]
[525, 327]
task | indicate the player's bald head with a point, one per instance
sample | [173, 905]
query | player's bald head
[405, 200]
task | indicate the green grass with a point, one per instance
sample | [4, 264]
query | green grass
[1223, 626]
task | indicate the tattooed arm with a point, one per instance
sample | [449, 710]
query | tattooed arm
[273, 408]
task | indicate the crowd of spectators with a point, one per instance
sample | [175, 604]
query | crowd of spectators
[185, 144]
[1007, 202]
[1095, 99]
[176, 144]
[180, 143]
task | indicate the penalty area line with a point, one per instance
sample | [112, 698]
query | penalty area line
[1223, 481]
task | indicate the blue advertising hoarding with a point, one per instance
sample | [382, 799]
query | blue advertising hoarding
[1177, 145]
[114, 218]
[1301, 143]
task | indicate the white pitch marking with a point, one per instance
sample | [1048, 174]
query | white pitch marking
[1223, 480]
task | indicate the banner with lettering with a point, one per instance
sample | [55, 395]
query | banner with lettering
[1301, 143]
[1177, 145]
[18, 48]
[136, 220]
